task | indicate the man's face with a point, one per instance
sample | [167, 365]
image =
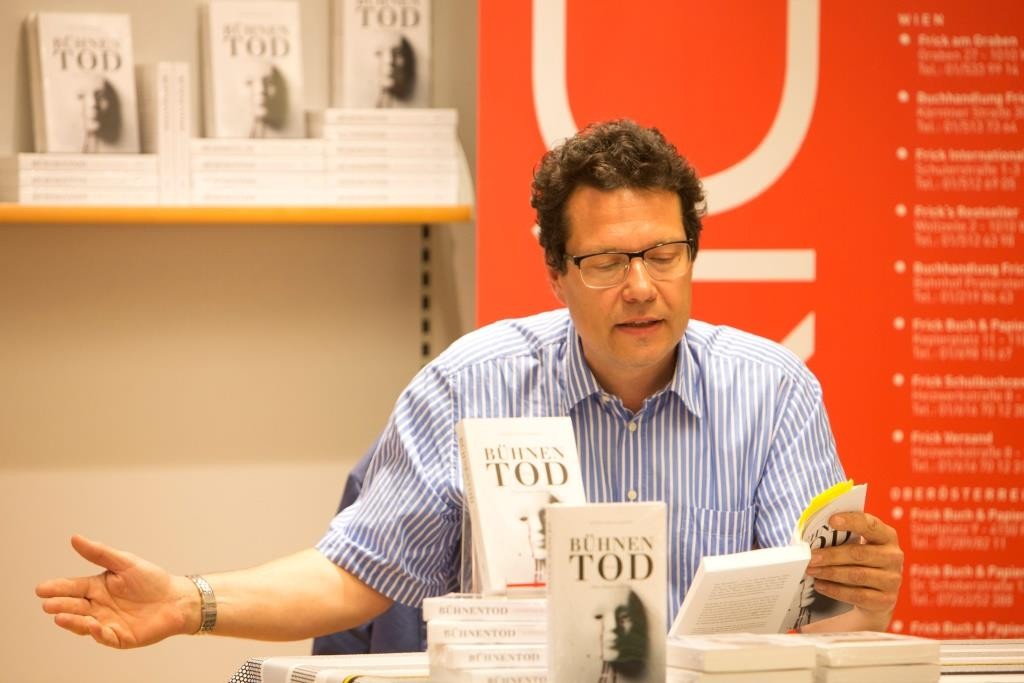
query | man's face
[629, 331]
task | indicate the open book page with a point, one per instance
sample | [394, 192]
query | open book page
[814, 530]
[742, 592]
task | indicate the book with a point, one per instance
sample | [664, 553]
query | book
[511, 469]
[523, 675]
[82, 83]
[476, 607]
[380, 53]
[136, 163]
[981, 656]
[460, 656]
[302, 669]
[457, 631]
[766, 590]
[674, 675]
[165, 124]
[870, 648]
[894, 673]
[607, 591]
[252, 69]
[740, 652]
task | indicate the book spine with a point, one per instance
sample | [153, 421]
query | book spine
[258, 147]
[82, 180]
[261, 197]
[262, 180]
[441, 631]
[491, 656]
[505, 676]
[89, 197]
[420, 134]
[405, 149]
[392, 166]
[139, 163]
[389, 117]
[484, 609]
[182, 127]
[35, 82]
[239, 162]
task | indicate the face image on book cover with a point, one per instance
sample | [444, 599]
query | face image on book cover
[266, 92]
[99, 111]
[396, 70]
[621, 633]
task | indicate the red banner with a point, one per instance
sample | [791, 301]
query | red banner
[863, 164]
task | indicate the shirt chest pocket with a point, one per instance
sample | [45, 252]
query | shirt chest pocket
[717, 532]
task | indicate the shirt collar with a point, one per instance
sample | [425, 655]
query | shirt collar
[580, 382]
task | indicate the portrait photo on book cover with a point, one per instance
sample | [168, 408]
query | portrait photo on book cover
[266, 92]
[621, 623]
[396, 70]
[99, 108]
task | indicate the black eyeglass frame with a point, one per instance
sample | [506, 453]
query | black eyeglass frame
[632, 255]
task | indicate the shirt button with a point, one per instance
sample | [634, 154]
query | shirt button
[632, 426]
[631, 494]
[605, 398]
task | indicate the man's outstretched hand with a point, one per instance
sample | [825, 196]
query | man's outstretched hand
[131, 604]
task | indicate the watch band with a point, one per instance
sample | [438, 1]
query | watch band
[207, 604]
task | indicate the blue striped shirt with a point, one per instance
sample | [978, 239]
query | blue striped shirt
[736, 445]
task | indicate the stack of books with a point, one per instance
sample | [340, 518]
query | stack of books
[981, 656]
[473, 638]
[165, 124]
[737, 657]
[861, 656]
[389, 157]
[265, 171]
[80, 179]
[402, 666]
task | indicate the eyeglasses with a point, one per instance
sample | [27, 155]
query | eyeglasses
[663, 261]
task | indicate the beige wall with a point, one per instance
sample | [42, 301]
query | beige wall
[196, 394]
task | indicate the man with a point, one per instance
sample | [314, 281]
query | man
[728, 429]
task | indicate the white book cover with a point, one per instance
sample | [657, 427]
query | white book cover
[607, 592]
[512, 468]
[674, 675]
[871, 648]
[906, 673]
[86, 179]
[765, 590]
[242, 162]
[740, 652]
[380, 53]
[82, 80]
[253, 78]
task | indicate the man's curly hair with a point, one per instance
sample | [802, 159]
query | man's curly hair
[609, 156]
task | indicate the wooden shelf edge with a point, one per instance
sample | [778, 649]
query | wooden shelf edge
[21, 214]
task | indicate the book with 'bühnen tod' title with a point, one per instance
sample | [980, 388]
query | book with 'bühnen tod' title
[82, 83]
[766, 590]
[252, 69]
[607, 592]
[380, 53]
[512, 468]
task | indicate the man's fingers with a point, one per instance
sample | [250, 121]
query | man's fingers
[103, 555]
[857, 576]
[78, 625]
[882, 556]
[77, 606]
[870, 528]
[865, 598]
[54, 588]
